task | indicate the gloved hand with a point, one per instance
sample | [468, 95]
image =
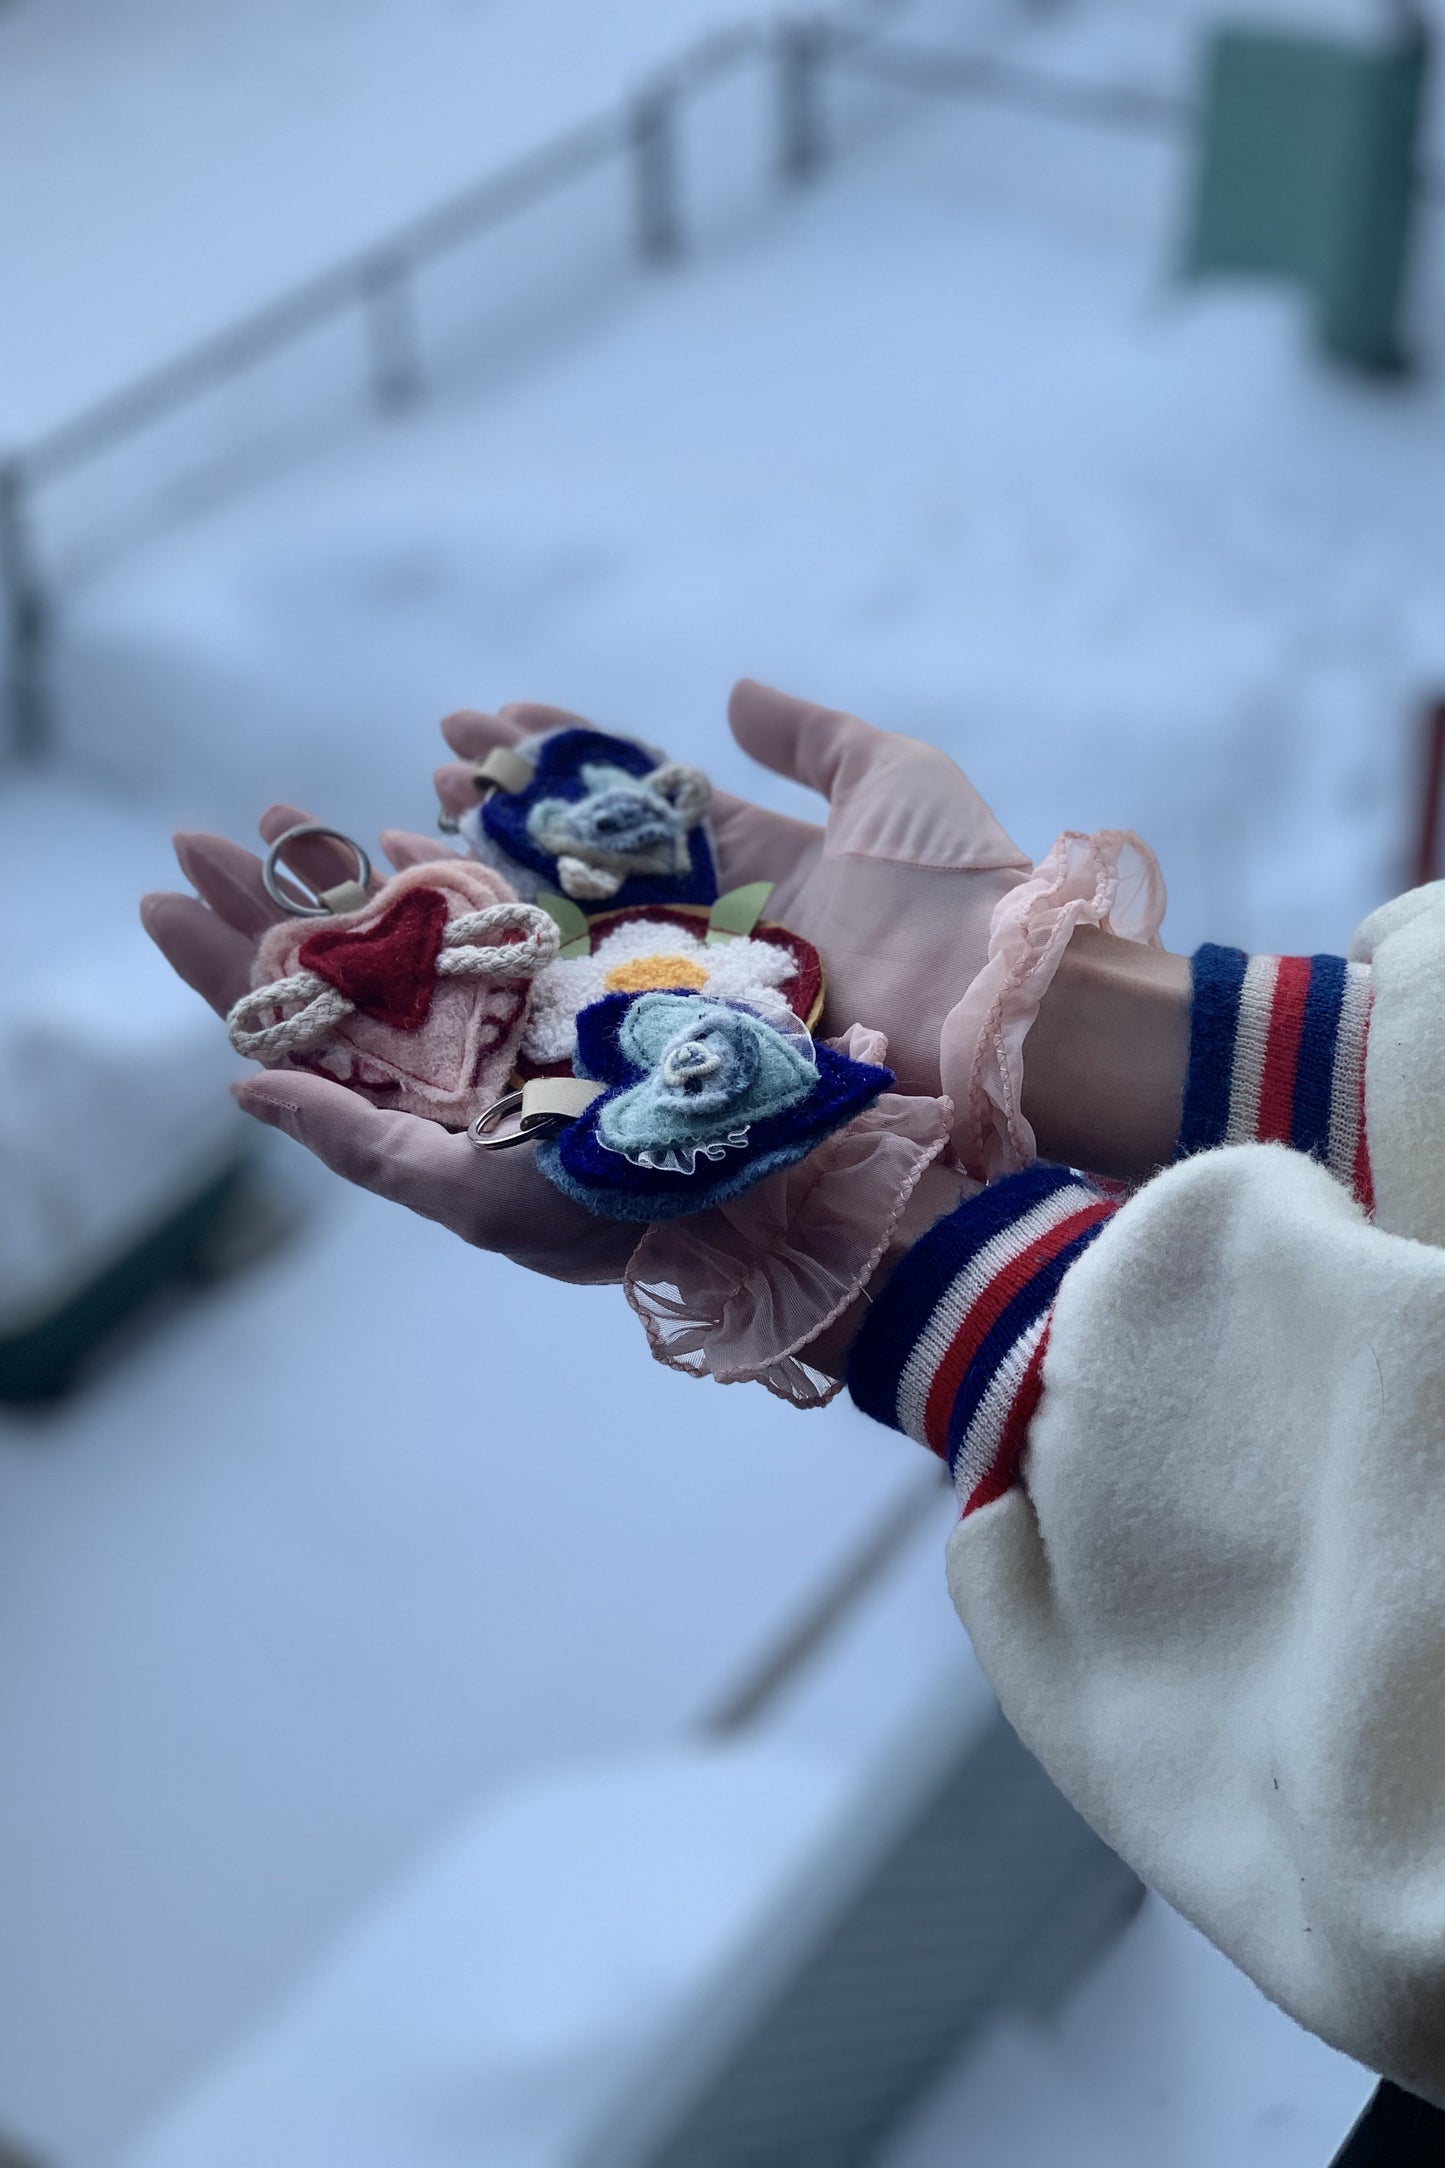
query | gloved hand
[497, 1200]
[901, 894]
[896, 893]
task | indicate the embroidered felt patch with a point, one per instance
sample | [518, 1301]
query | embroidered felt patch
[659, 949]
[387, 968]
[703, 1098]
[604, 821]
[418, 1001]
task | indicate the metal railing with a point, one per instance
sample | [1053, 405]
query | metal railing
[998, 80]
[378, 284]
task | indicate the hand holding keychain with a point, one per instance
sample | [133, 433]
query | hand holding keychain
[414, 993]
[939, 941]
[603, 819]
[934, 927]
[496, 1201]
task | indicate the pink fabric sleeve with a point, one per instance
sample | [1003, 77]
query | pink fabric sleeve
[739, 1293]
[1111, 880]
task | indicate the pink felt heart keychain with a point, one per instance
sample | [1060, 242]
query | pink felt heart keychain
[414, 995]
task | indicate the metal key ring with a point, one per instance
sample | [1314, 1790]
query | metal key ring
[540, 1125]
[354, 892]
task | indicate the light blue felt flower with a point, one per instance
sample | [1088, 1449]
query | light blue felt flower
[711, 1071]
[604, 819]
[622, 824]
[701, 1099]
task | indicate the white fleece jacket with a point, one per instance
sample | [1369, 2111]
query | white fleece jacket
[1213, 1602]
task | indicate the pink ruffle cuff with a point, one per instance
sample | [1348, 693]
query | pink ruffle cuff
[1111, 880]
[739, 1292]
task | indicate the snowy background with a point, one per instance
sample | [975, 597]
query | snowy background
[305, 1581]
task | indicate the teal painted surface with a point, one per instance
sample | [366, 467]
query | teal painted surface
[43, 1362]
[1307, 172]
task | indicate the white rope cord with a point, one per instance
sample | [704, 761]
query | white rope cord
[323, 1007]
[685, 788]
[467, 954]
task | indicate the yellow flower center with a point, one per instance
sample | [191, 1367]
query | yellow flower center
[648, 974]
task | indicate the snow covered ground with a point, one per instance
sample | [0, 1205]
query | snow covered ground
[288, 1593]
[173, 167]
[940, 442]
[1165, 2057]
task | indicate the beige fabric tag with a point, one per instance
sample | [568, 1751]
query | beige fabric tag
[346, 896]
[503, 769]
[567, 1096]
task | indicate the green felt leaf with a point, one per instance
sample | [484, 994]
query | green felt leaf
[570, 923]
[734, 915]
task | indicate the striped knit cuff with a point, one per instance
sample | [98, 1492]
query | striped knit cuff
[952, 1349]
[1277, 1056]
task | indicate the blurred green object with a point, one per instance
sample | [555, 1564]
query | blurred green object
[1307, 171]
[218, 1228]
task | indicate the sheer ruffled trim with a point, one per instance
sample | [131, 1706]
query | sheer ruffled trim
[1110, 879]
[738, 1293]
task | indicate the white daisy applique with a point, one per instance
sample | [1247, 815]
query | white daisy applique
[646, 955]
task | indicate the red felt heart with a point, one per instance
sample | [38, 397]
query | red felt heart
[387, 969]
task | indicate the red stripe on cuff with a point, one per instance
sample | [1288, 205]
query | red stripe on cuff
[1362, 1180]
[1001, 1476]
[985, 1313]
[1281, 1054]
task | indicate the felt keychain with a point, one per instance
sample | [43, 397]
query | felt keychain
[414, 994]
[681, 1101]
[743, 1291]
[605, 820]
[727, 952]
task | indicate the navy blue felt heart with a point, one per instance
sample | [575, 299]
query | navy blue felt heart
[764, 1098]
[657, 857]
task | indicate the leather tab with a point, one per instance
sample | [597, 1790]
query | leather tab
[346, 896]
[502, 770]
[557, 1097]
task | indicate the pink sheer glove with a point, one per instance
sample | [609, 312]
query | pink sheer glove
[896, 893]
[743, 1292]
[934, 928]
[497, 1200]
[1111, 881]
[917, 900]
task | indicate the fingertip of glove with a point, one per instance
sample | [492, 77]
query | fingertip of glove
[456, 792]
[744, 693]
[265, 1101]
[752, 708]
[279, 819]
[405, 849]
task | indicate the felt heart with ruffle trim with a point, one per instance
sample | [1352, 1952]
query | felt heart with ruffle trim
[417, 1000]
[604, 820]
[701, 1098]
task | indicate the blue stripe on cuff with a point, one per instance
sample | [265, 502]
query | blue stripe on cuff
[1218, 981]
[886, 1339]
[1315, 1069]
[1027, 1307]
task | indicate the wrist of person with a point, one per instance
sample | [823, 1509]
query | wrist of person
[1137, 1058]
[940, 1191]
[1106, 1059]
[1104, 1074]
